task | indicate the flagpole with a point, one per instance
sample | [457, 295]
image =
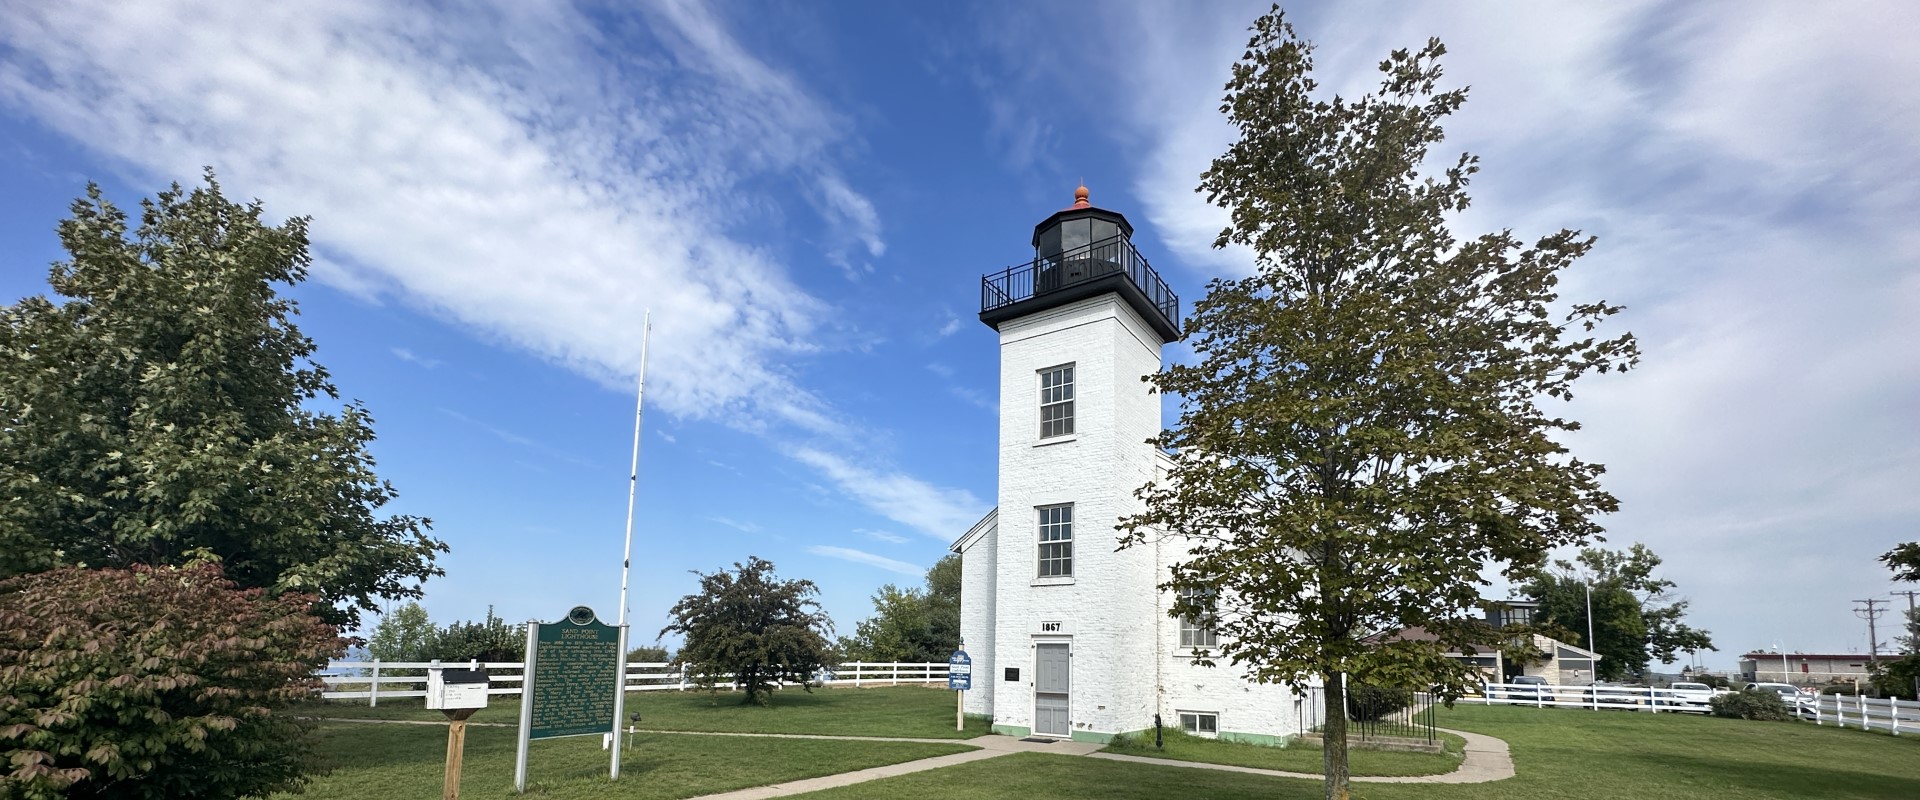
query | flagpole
[626, 559]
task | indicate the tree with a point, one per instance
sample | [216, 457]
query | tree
[911, 624]
[749, 628]
[162, 413]
[1904, 560]
[1363, 428]
[649, 654]
[491, 639]
[404, 635]
[154, 682]
[1635, 618]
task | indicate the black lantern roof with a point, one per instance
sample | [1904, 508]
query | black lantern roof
[1079, 252]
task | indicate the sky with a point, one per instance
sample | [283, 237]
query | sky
[805, 196]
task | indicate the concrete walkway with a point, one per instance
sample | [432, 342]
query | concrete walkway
[1486, 760]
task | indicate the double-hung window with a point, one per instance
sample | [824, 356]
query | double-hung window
[1056, 401]
[1197, 631]
[1056, 541]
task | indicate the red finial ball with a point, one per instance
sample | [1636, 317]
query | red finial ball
[1080, 197]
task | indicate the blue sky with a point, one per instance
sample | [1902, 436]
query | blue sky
[806, 194]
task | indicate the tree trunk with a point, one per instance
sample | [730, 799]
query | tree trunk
[1333, 737]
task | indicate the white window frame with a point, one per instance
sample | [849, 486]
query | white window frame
[1193, 634]
[1057, 398]
[1056, 521]
[1196, 716]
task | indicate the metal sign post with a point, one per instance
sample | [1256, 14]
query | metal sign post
[959, 679]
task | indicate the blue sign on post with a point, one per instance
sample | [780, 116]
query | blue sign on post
[960, 672]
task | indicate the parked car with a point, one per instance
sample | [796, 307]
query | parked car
[1687, 694]
[1789, 693]
[1618, 694]
[1527, 687]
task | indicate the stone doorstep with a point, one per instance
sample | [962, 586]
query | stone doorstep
[1397, 744]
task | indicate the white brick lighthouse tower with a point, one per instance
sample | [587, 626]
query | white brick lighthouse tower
[1063, 629]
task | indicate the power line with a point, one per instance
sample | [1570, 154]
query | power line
[1871, 615]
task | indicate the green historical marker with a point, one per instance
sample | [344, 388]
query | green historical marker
[572, 677]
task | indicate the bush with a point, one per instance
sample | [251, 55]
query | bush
[1750, 704]
[1369, 703]
[153, 682]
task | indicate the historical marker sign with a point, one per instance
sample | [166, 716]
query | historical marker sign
[576, 664]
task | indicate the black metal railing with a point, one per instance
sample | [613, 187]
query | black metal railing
[1374, 713]
[1076, 266]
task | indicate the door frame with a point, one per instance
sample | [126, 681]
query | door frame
[1033, 698]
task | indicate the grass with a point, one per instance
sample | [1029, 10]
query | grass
[375, 761]
[1558, 753]
[909, 711]
[1180, 746]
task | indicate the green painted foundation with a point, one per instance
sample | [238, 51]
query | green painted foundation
[1095, 737]
[1011, 730]
[1264, 739]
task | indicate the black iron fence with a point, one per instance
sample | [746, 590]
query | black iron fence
[1375, 713]
[1076, 266]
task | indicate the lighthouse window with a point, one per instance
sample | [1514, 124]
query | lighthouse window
[1056, 541]
[1198, 631]
[1056, 401]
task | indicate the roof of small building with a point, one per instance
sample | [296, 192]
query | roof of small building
[1828, 656]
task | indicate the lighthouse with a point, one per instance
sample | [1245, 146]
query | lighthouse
[1070, 635]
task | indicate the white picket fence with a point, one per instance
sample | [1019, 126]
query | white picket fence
[1890, 715]
[1627, 698]
[373, 680]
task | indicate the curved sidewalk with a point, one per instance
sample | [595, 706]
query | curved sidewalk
[1485, 759]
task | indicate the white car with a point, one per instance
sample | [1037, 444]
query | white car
[1687, 694]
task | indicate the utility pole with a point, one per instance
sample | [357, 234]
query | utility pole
[1871, 614]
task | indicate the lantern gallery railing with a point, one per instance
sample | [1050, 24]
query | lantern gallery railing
[1077, 266]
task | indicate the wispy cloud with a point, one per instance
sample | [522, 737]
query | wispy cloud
[869, 559]
[933, 511]
[371, 117]
[881, 536]
[514, 438]
[952, 327]
[408, 356]
[743, 527]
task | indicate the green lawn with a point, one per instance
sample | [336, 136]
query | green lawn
[373, 760]
[1179, 746]
[1558, 752]
[911, 711]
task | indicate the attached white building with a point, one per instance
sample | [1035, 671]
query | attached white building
[1070, 636]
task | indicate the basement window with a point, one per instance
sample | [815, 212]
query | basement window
[1200, 723]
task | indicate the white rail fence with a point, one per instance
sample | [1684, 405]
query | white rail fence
[1627, 698]
[1890, 715]
[373, 680]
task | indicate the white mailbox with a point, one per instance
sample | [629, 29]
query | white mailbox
[450, 689]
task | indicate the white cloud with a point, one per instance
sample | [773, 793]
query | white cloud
[409, 356]
[952, 327]
[869, 559]
[933, 511]
[484, 166]
[743, 527]
[882, 536]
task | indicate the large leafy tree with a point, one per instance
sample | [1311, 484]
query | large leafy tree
[166, 410]
[154, 682]
[1904, 560]
[916, 625]
[1364, 426]
[1636, 618]
[746, 627]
